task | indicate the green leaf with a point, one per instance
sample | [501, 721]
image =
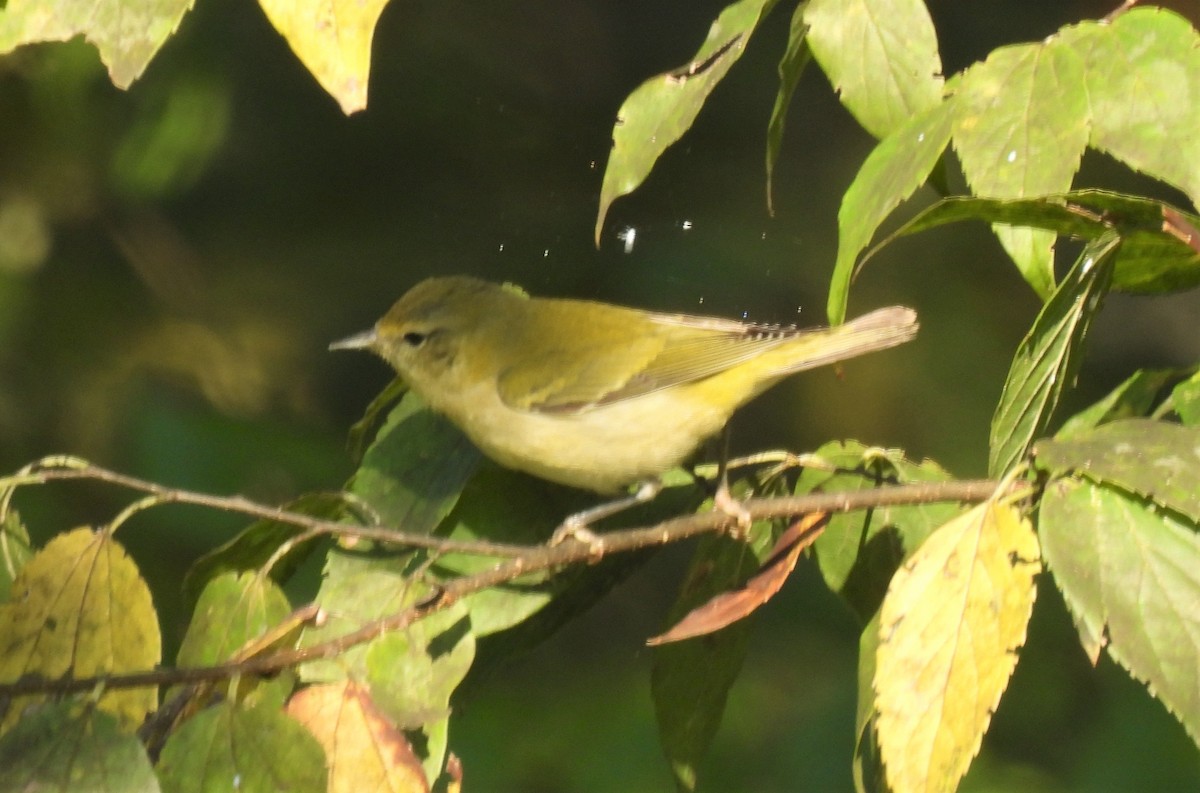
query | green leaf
[881, 57]
[892, 172]
[15, 551]
[362, 433]
[661, 109]
[791, 66]
[858, 551]
[1134, 397]
[500, 505]
[127, 36]
[259, 541]
[1149, 260]
[1048, 358]
[1142, 70]
[868, 765]
[691, 679]
[359, 586]
[414, 471]
[233, 609]
[228, 747]
[1186, 400]
[80, 608]
[413, 673]
[1156, 459]
[1130, 574]
[56, 748]
[1021, 129]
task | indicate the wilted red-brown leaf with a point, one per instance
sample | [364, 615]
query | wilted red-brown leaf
[729, 607]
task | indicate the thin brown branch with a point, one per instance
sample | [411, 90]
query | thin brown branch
[531, 559]
[244, 506]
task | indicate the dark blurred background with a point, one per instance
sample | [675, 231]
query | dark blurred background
[174, 260]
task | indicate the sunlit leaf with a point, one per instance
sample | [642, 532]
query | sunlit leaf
[1156, 459]
[881, 56]
[127, 34]
[15, 551]
[66, 748]
[791, 66]
[413, 673]
[1142, 73]
[363, 749]
[229, 747]
[1130, 574]
[953, 620]
[1186, 400]
[662, 108]
[80, 608]
[1048, 358]
[893, 171]
[1021, 129]
[232, 610]
[332, 38]
[359, 586]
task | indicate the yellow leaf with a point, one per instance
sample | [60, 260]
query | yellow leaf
[127, 34]
[363, 749]
[332, 38]
[950, 626]
[80, 608]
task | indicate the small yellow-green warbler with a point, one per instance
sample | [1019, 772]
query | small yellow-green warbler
[589, 394]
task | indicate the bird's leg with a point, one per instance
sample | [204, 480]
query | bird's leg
[723, 500]
[575, 527]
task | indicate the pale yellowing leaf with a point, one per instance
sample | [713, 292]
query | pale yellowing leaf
[127, 33]
[953, 619]
[332, 38]
[364, 751]
[80, 608]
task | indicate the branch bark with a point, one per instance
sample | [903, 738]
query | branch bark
[523, 560]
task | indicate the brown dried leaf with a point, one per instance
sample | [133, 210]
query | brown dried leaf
[729, 607]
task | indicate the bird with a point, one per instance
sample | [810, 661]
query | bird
[589, 394]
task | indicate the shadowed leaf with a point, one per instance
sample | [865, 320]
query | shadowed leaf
[59, 749]
[228, 747]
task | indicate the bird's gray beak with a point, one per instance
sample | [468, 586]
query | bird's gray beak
[359, 341]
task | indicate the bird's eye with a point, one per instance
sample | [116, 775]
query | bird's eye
[414, 339]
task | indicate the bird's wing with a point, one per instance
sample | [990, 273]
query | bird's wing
[667, 350]
[670, 349]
